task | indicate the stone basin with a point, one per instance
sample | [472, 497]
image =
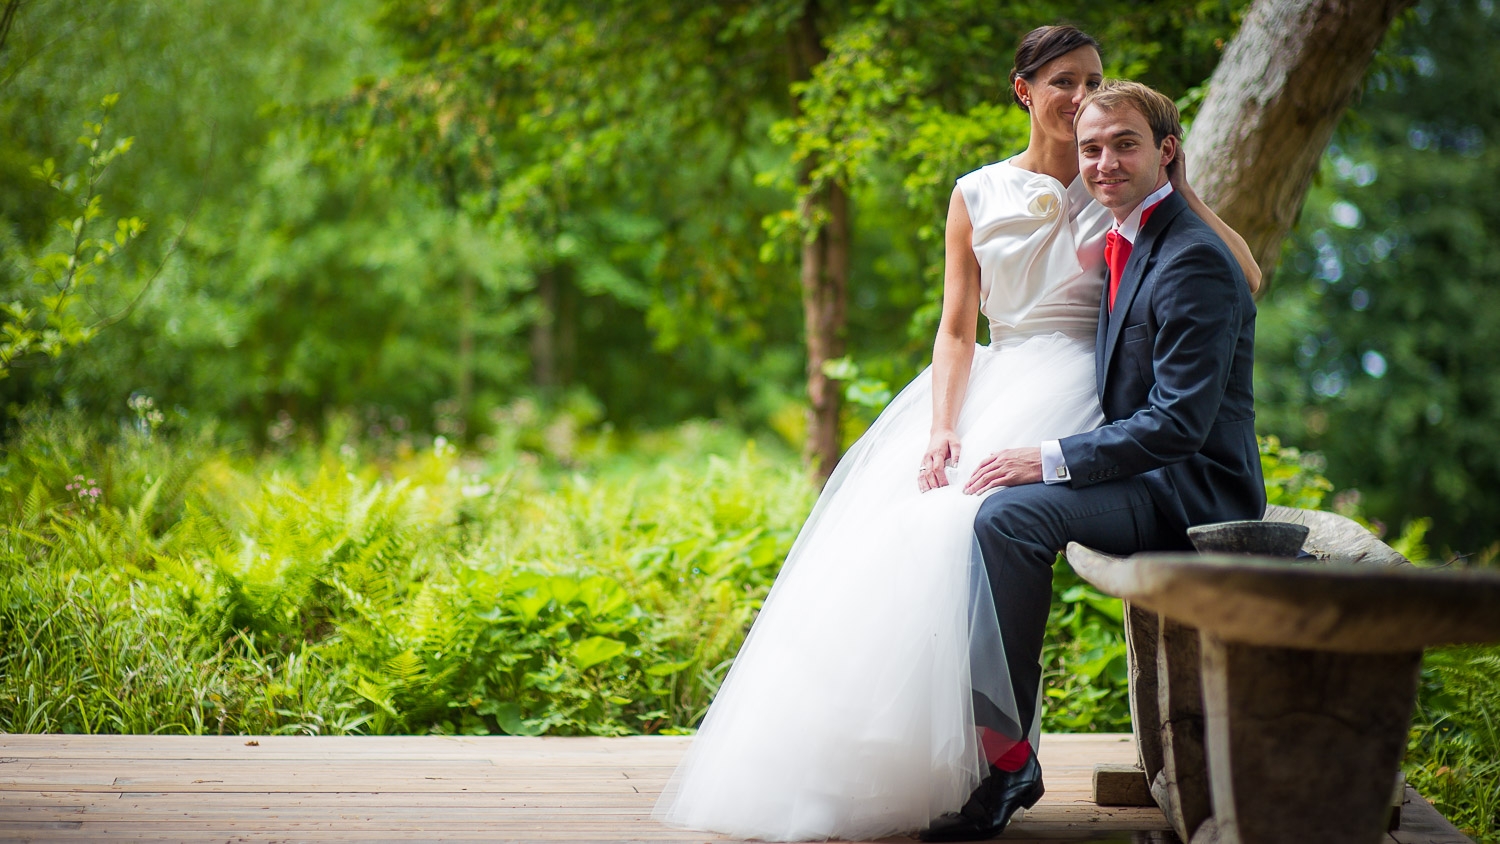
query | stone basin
[1335, 606]
[1262, 538]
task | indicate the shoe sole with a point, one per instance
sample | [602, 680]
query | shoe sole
[1029, 802]
[1025, 805]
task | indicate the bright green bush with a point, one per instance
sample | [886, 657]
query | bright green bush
[1454, 755]
[418, 590]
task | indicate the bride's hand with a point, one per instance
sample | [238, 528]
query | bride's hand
[1177, 170]
[942, 453]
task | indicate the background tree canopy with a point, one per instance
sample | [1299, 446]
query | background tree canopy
[1375, 344]
[423, 212]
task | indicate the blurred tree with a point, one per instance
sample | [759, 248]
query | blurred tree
[44, 319]
[1272, 105]
[1377, 345]
[624, 120]
[312, 280]
[874, 107]
[426, 208]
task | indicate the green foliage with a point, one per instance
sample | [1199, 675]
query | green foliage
[1375, 340]
[45, 320]
[311, 592]
[423, 211]
[1293, 477]
[1454, 755]
[1086, 681]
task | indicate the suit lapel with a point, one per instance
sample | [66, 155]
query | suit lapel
[1133, 280]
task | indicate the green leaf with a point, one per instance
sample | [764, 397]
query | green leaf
[661, 669]
[529, 606]
[869, 392]
[512, 720]
[596, 649]
[840, 369]
[563, 588]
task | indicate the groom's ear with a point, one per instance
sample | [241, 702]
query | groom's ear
[1170, 146]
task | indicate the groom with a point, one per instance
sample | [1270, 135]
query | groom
[1173, 360]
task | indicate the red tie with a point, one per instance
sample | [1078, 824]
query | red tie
[1117, 252]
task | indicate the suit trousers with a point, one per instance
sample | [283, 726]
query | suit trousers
[1020, 531]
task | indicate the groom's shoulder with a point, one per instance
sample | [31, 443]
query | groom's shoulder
[1190, 243]
[1187, 232]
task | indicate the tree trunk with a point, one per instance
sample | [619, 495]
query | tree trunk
[1273, 103]
[825, 293]
[825, 273]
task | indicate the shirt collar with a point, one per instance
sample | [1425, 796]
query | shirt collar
[1130, 228]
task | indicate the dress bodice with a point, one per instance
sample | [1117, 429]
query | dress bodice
[1041, 252]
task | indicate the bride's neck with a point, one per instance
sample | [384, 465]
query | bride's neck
[1060, 161]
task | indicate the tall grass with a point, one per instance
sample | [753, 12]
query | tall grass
[154, 583]
[165, 585]
[1454, 755]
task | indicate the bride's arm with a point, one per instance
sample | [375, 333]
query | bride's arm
[1177, 174]
[953, 350]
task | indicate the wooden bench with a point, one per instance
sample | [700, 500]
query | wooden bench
[1271, 697]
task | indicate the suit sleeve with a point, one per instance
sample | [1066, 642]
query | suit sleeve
[1196, 305]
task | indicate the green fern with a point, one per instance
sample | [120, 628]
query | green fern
[1454, 756]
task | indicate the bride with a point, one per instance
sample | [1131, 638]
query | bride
[869, 696]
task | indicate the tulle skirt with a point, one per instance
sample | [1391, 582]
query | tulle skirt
[848, 711]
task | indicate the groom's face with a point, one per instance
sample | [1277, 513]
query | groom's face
[1120, 163]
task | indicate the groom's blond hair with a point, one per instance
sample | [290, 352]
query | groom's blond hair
[1160, 112]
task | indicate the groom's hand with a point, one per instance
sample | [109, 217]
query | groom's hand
[1012, 467]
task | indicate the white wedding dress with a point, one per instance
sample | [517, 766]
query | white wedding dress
[847, 713]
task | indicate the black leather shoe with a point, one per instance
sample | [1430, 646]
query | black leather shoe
[991, 805]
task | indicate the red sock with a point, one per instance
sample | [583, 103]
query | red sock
[1004, 753]
[1015, 758]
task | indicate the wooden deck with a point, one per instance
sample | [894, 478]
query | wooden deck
[192, 788]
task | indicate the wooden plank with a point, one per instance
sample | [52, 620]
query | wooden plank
[210, 787]
[250, 832]
[1423, 824]
[148, 788]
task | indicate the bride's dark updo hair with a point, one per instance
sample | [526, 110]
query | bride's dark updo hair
[1042, 45]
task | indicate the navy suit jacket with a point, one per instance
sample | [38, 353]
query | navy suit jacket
[1174, 362]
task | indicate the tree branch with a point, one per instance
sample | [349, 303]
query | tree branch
[7, 17]
[171, 248]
